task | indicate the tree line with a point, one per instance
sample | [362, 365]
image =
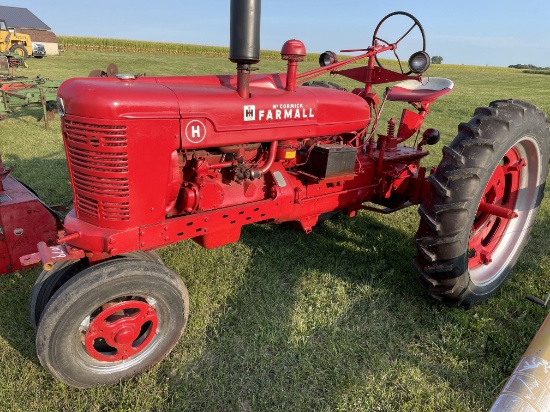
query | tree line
[527, 67]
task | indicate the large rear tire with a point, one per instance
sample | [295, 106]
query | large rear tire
[482, 203]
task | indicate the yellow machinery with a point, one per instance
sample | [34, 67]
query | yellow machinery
[14, 43]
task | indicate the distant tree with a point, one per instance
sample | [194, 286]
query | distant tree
[437, 59]
[527, 67]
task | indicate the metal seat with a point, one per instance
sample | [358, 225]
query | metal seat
[412, 91]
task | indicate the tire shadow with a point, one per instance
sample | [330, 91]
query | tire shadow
[338, 314]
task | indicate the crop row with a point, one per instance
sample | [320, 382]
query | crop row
[138, 46]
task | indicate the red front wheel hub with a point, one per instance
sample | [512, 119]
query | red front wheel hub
[120, 330]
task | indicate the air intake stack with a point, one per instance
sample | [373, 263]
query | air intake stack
[244, 46]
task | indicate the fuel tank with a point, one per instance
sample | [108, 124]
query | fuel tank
[211, 111]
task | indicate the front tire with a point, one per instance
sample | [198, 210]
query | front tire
[112, 321]
[483, 200]
[20, 50]
[49, 281]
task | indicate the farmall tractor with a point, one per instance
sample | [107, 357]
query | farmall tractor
[157, 160]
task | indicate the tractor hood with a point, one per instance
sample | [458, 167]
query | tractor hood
[211, 111]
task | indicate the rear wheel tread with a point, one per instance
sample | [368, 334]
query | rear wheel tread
[438, 185]
[456, 187]
[429, 218]
[457, 157]
[466, 173]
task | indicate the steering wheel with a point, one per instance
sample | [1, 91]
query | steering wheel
[416, 23]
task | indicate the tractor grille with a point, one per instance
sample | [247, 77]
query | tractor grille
[98, 159]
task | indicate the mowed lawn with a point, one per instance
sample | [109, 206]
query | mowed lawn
[281, 320]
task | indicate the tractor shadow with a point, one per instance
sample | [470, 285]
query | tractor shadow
[317, 319]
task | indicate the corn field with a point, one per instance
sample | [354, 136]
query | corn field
[139, 46]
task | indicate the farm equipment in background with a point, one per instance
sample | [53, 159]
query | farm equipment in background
[157, 160]
[23, 92]
[13, 43]
[112, 71]
[10, 63]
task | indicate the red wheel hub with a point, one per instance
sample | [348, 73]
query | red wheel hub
[495, 209]
[121, 330]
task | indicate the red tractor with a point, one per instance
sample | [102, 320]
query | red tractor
[156, 160]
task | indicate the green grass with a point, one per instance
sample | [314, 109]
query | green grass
[331, 321]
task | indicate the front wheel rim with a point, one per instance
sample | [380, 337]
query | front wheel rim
[120, 331]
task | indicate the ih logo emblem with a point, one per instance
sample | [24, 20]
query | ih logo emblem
[195, 131]
[249, 113]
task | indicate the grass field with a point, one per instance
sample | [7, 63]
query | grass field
[283, 321]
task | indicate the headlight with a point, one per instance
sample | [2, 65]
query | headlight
[60, 107]
[327, 58]
[419, 62]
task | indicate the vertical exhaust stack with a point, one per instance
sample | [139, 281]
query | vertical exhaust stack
[244, 46]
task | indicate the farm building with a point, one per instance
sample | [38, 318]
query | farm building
[23, 21]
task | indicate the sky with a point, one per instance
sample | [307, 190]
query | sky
[481, 33]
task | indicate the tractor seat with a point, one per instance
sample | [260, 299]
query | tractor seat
[414, 91]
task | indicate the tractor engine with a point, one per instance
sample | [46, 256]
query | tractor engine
[145, 150]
